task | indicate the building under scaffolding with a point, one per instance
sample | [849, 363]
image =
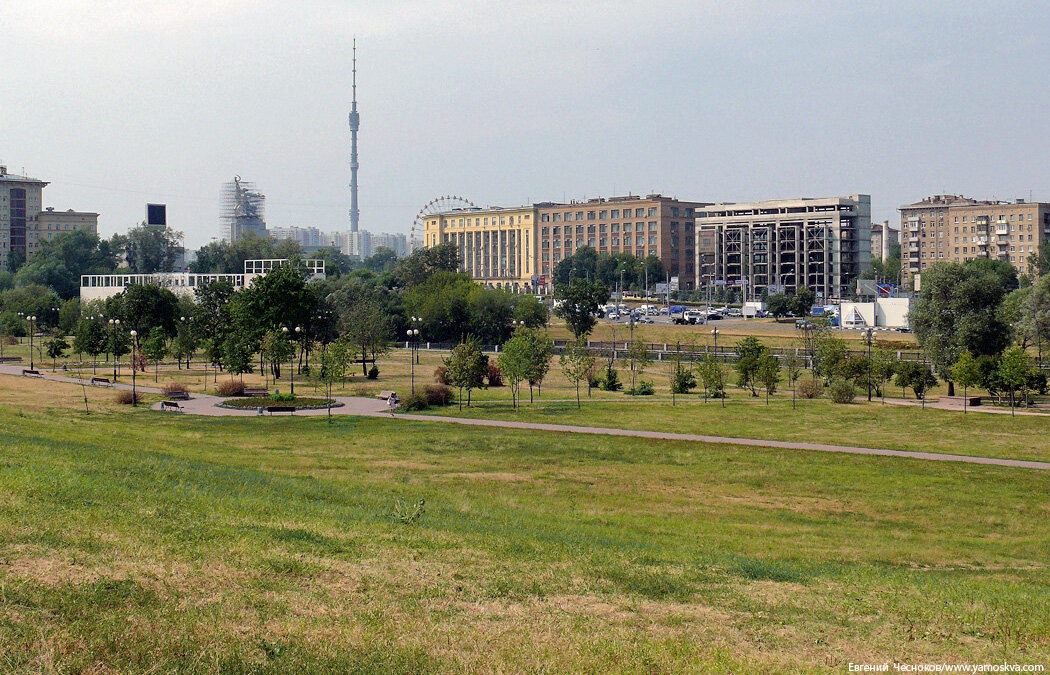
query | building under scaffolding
[242, 210]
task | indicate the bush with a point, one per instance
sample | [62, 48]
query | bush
[173, 388]
[495, 376]
[441, 376]
[230, 388]
[843, 392]
[644, 388]
[438, 394]
[127, 398]
[362, 390]
[416, 401]
[611, 381]
[684, 381]
[373, 372]
[809, 388]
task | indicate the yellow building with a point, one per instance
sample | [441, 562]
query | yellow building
[497, 246]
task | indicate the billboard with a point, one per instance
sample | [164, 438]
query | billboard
[157, 215]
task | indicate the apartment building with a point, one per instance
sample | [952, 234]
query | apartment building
[25, 224]
[779, 246]
[956, 228]
[643, 226]
[497, 246]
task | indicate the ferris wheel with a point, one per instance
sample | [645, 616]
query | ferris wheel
[442, 204]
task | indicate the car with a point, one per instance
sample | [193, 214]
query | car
[664, 311]
[735, 311]
[714, 316]
[645, 319]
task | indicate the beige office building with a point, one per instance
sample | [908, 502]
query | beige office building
[49, 223]
[781, 245]
[642, 226]
[497, 246]
[955, 228]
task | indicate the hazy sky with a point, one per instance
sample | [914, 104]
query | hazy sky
[120, 103]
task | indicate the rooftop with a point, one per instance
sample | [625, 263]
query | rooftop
[6, 177]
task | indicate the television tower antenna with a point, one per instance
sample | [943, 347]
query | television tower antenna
[355, 123]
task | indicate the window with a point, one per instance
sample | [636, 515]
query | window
[614, 214]
[557, 229]
[652, 240]
[603, 242]
[591, 215]
[639, 240]
[616, 241]
[579, 215]
[556, 217]
[638, 213]
[652, 226]
[626, 227]
[579, 242]
[615, 227]
[545, 231]
[652, 211]
[601, 228]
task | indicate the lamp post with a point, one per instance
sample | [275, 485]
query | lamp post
[416, 320]
[21, 317]
[869, 337]
[413, 336]
[31, 320]
[291, 364]
[134, 349]
[114, 324]
[714, 334]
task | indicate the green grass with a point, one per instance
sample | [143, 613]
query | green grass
[282, 399]
[863, 424]
[130, 541]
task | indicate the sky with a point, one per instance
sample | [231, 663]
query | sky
[508, 103]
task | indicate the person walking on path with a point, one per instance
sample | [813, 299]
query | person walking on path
[393, 401]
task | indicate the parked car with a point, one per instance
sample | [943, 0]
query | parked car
[645, 319]
[664, 311]
[735, 311]
[714, 316]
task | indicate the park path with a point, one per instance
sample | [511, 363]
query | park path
[206, 404]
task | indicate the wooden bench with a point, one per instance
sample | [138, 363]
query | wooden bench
[30, 371]
[256, 391]
[280, 408]
[179, 395]
[100, 380]
[171, 405]
[384, 395]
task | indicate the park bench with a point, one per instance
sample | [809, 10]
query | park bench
[10, 359]
[100, 380]
[179, 395]
[256, 391]
[384, 395]
[30, 371]
[280, 408]
[170, 405]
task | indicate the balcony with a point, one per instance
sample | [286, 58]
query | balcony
[981, 240]
[1002, 228]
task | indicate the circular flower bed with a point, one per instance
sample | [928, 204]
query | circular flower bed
[300, 402]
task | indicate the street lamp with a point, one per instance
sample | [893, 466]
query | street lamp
[21, 317]
[31, 320]
[291, 364]
[114, 324]
[714, 334]
[869, 337]
[134, 349]
[416, 320]
[413, 335]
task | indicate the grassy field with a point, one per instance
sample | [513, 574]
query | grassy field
[134, 541]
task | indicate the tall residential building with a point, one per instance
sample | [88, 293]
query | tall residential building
[398, 243]
[24, 225]
[881, 245]
[952, 227]
[643, 226]
[310, 238]
[781, 245]
[497, 246]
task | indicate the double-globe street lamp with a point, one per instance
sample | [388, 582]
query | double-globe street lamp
[869, 337]
[114, 324]
[714, 334]
[291, 364]
[134, 349]
[31, 320]
[413, 336]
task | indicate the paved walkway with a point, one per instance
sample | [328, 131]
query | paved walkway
[206, 404]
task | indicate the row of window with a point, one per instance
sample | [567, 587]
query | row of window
[604, 214]
[603, 241]
[483, 221]
[613, 227]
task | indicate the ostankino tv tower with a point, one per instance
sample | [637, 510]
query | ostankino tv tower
[355, 123]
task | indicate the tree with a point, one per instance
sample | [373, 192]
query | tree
[1040, 260]
[780, 305]
[540, 352]
[575, 362]
[368, 330]
[145, 306]
[531, 310]
[276, 349]
[749, 351]
[803, 301]
[462, 365]
[958, 311]
[514, 361]
[155, 347]
[1015, 370]
[90, 339]
[768, 373]
[1034, 321]
[56, 346]
[916, 375]
[638, 357]
[580, 303]
[882, 367]
[59, 262]
[237, 352]
[793, 371]
[150, 249]
[831, 353]
[335, 359]
[712, 375]
[185, 344]
[967, 372]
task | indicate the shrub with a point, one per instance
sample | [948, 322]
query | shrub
[230, 388]
[280, 398]
[373, 372]
[416, 401]
[441, 376]
[843, 392]
[362, 390]
[438, 394]
[10, 340]
[127, 398]
[611, 381]
[172, 388]
[684, 381]
[809, 388]
[594, 380]
[495, 376]
[644, 388]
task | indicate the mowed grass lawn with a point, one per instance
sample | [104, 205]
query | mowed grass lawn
[134, 541]
[870, 425]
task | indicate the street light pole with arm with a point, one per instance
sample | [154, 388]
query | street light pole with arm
[134, 350]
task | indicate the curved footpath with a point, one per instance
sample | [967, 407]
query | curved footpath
[206, 404]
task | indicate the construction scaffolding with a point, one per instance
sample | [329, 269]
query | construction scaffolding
[242, 210]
